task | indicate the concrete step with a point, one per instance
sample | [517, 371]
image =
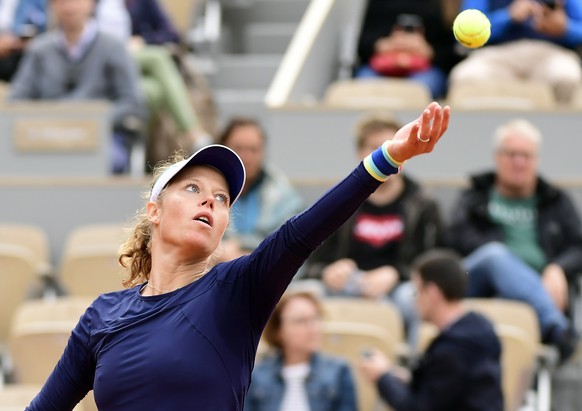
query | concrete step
[268, 38]
[236, 102]
[245, 71]
[265, 11]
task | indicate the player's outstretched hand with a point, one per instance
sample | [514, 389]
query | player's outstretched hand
[420, 135]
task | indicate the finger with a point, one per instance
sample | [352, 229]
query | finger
[443, 125]
[436, 124]
[414, 130]
[425, 123]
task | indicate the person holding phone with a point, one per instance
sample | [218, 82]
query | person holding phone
[530, 40]
[406, 39]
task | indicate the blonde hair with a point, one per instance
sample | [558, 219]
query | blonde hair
[373, 123]
[519, 126]
[135, 254]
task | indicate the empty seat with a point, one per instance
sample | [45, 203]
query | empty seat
[39, 333]
[32, 238]
[17, 275]
[501, 95]
[389, 94]
[348, 340]
[15, 397]
[90, 263]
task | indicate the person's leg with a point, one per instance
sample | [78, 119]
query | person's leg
[403, 297]
[119, 153]
[494, 269]
[157, 64]
[557, 66]
[434, 78]
[366, 71]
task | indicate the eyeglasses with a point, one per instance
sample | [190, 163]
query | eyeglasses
[303, 321]
[512, 154]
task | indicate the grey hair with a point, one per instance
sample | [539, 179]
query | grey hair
[520, 126]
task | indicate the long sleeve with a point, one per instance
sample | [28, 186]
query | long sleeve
[347, 400]
[443, 386]
[73, 375]
[22, 86]
[499, 18]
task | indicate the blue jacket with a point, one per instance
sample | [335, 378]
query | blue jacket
[330, 386]
[460, 371]
[30, 12]
[149, 21]
[503, 29]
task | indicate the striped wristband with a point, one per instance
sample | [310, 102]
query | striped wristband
[380, 165]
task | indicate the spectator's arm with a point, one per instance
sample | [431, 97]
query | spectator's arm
[22, 86]
[443, 384]
[570, 259]
[347, 400]
[573, 36]
[500, 18]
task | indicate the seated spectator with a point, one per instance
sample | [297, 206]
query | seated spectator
[76, 61]
[297, 377]
[407, 39]
[521, 236]
[461, 368]
[369, 255]
[530, 40]
[268, 199]
[146, 29]
[20, 21]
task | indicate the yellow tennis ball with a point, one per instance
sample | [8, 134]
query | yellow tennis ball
[472, 28]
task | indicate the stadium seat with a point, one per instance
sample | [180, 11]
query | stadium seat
[15, 397]
[348, 340]
[387, 94]
[31, 237]
[518, 360]
[500, 95]
[90, 260]
[17, 276]
[38, 335]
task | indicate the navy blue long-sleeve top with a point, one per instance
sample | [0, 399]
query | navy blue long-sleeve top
[194, 348]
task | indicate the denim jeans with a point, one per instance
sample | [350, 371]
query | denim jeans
[496, 272]
[434, 78]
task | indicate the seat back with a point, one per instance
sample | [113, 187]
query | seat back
[90, 263]
[348, 340]
[17, 275]
[30, 237]
[501, 95]
[39, 333]
[180, 13]
[362, 311]
[387, 94]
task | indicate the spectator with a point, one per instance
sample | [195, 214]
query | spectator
[298, 377]
[461, 369]
[530, 40]
[76, 61]
[369, 255]
[146, 30]
[407, 39]
[521, 235]
[20, 21]
[268, 198]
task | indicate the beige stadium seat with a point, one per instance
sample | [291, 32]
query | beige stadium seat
[389, 94]
[500, 95]
[15, 397]
[17, 275]
[31, 237]
[180, 12]
[348, 340]
[39, 333]
[576, 102]
[90, 263]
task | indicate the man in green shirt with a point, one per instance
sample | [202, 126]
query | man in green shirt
[521, 236]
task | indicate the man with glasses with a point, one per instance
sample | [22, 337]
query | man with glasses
[521, 236]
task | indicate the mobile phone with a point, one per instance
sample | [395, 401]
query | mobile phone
[409, 22]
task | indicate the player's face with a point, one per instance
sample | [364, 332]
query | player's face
[373, 141]
[193, 212]
[248, 143]
[300, 330]
[517, 161]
